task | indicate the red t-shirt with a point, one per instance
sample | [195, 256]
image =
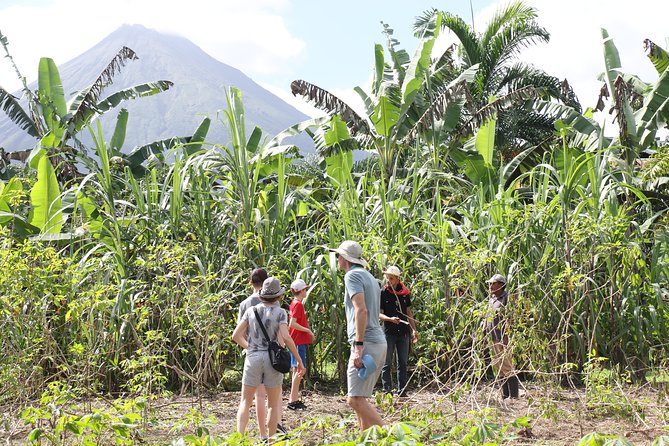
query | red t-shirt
[297, 312]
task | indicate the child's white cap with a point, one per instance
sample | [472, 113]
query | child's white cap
[298, 285]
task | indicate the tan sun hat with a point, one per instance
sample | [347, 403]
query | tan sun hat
[497, 278]
[271, 289]
[392, 271]
[351, 251]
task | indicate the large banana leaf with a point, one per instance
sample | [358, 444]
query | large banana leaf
[198, 137]
[385, 116]
[46, 212]
[88, 97]
[379, 67]
[19, 226]
[655, 110]
[339, 168]
[418, 68]
[657, 55]
[16, 113]
[141, 153]
[625, 114]
[51, 96]
[118, 137]
[485, 140]
[86, 115]
[337, 132]
[472, 164]
[7, 193]
[298, 129]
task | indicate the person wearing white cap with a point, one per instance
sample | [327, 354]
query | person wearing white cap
[302, 336]
[362, 302]
[399, 327]
[497, 327]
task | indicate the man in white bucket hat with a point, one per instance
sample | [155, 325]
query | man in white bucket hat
[362, 301]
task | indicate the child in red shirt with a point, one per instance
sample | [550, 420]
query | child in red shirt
[302, 335]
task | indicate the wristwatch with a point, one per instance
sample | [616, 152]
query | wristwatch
[358, 343]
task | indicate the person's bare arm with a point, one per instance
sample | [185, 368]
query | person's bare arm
[290, 344]
[293, 324]
[239, 335]
[360, 314]
[384, 318]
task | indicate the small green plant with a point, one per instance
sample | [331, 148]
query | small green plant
[595, 439]
[56, 419]
[195, 420]
[396, 434]
[603, 392]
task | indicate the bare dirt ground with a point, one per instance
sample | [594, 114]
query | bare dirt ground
[558, 416]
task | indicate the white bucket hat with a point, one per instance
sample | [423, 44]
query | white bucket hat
[392, 271]
[351, 251]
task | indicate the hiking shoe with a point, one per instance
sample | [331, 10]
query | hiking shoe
[281, 428]
[297, 405]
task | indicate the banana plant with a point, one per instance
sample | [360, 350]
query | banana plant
[639, 109]
[400, 105]
[55, 122]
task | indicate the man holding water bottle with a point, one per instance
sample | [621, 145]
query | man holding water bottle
[362, 302]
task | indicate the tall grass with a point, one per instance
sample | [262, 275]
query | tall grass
[145, 301]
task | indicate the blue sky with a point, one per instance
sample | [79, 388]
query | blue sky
[327, 43]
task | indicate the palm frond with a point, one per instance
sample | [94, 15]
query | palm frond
[424, 25]
[331, 104]
[500, 104]
[469, 41]
[400, 57]
[521, 75]
[16, 113]
[516, 12]
[506, 44]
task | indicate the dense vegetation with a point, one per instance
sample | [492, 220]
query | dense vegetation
[125, 279]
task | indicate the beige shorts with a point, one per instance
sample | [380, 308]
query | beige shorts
[258, 370]
[365, 387]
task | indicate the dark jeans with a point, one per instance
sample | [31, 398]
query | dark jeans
[401, 344]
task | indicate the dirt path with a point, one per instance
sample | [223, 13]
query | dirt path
[558, 416]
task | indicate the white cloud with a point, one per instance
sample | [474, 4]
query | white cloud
[576, 51]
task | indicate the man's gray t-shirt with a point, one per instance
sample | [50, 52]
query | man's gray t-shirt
[251, 301]
[272, 316]
[359, 280]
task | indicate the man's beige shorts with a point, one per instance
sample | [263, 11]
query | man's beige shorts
[364, 387]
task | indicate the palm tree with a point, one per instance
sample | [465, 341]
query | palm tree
[500, 77]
